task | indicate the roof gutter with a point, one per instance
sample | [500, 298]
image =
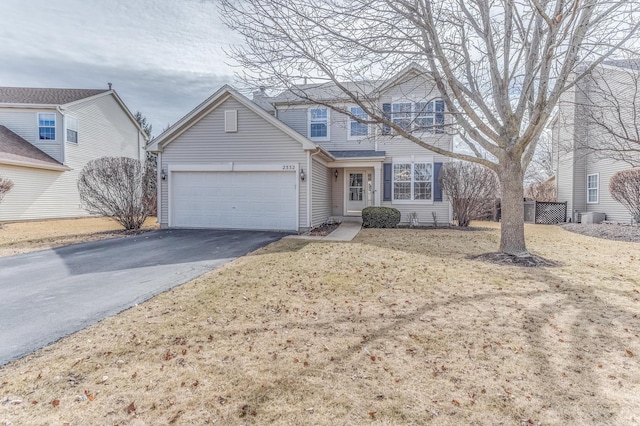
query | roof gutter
[60, 168]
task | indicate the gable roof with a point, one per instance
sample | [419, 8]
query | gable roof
[226, 91]
[45, 96]
[15, 150]
[329, 91]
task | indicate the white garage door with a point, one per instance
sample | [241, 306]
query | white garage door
[234, 200]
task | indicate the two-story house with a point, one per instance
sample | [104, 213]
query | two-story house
[48, 135]
[288, 163]
[594, 135]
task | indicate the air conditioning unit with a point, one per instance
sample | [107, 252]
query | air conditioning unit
[592, 217]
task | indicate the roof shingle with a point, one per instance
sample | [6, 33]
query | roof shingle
[14, 149]
[44, 96]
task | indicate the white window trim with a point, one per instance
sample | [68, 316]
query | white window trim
[412, 161]
[326, 138]
[67, 118]
[597, 188]
[349, 135]
[55, 127]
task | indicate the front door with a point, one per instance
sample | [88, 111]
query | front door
[356, 193]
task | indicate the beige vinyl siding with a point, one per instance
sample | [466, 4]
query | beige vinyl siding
[321, 190]
[606, 168]
[622, 87]
[24, 123]
[337, 194]
[256, 141]
[104, 129]
[564, 161]
[402, 148]
[296, 118]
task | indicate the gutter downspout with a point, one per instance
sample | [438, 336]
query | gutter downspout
[309, 194]
[64, 136]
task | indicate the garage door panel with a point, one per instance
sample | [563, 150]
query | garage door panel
[239, 200]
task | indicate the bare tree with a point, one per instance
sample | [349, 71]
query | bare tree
[541, 166]
[542, 191]
[472, 189]
[500, 67]
[115, 187]
[5, 186]
[612, 111]
[625, 189]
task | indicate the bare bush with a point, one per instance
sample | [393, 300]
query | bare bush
[115, 187]
[542, 191]
[472, 189]
[5, 187]
[625, 189]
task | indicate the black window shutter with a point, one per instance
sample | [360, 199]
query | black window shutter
[386, 193]
[437, 189]
[386, 113]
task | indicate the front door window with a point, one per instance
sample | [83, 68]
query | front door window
[356, 193]
[355, 187]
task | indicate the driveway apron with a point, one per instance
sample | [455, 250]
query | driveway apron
[50, 294]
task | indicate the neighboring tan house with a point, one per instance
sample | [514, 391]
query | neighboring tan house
[283, 163]
[589, 141]
[46, 138]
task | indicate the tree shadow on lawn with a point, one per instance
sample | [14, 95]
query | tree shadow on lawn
[561, 358]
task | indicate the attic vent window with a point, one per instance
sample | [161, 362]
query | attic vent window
[231, 120]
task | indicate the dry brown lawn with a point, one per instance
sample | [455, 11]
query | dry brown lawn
[396, 327]
[24, 237]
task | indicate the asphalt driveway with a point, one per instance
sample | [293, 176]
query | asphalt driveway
[50, 294]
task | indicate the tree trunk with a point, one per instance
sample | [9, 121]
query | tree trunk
[512, 224]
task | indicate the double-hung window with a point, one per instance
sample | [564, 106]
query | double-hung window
[72, 129]
[402, 114]
[412, 181]
[430, 116]
[592, 188]
[46, 126]
[358, 130]
[319, 123]
[419, 116]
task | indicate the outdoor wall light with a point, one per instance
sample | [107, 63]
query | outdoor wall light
[336, 174]
[302, 176]
[163, 176]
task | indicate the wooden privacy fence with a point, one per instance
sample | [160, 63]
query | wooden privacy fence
[545, 212]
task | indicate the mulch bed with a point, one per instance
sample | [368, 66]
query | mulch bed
[528, 261]
[324, 229]
[629, 233]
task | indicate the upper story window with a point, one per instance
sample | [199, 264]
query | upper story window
[319, 123]
[72, 129]
[46, 126]
[358, 130]
[593, 188]
[419, 116]
[412, 181]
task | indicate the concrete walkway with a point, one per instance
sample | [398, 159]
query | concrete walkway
[347, 231]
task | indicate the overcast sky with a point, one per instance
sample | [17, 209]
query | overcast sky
[163, 57]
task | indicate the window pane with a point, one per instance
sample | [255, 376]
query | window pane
[318, 114]
[355, 128]
[47, 133]
[422, 191]
[72, 136]
[402, 191]
[318, 130]
[401, 114]
[422, 172]
[402, 172]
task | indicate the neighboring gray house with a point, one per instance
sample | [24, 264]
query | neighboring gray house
[46, 138]
[589, 141]
[283, 163]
